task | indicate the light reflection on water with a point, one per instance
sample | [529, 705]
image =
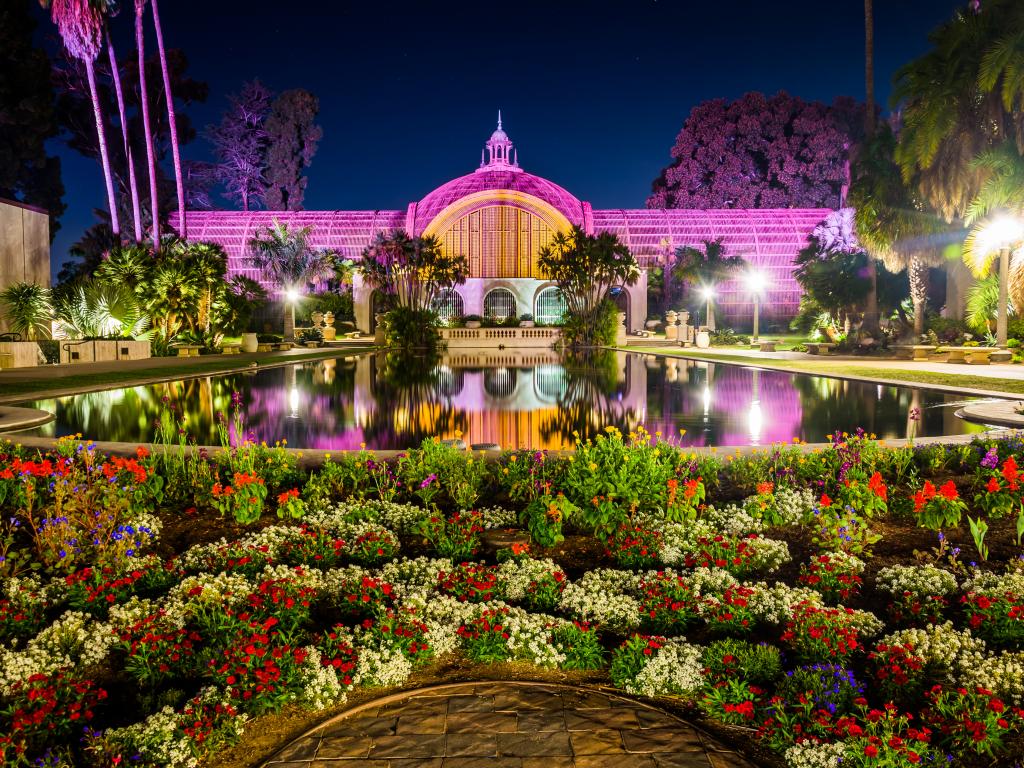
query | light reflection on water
[532, 401]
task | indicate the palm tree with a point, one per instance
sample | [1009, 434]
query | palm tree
[705, 268]
[171, 121]
[115, 73]
[206, 265]
[286, 260]
[893, 224]
[870, 323]
[94, 308]
[28, 309]
[1001, 193]
[80, 24]
[140, 46]
[953, 109]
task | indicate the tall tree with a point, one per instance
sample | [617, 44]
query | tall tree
[27, 172]
[154, 197]
[171, 120]
[292, 138]
[115, 73]
[953, 107]
[759, 152]
[286, 259]
[80, 23]
[707, 266]
[586, 268]
[240, 145]
[871, 310]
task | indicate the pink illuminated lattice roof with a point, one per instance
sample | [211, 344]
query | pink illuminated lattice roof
[485, 180]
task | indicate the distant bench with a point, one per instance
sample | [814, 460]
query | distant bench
[970, 355]
[230, 349]
[820, 348]
[187, 350]
[919, 352]
[764, 345]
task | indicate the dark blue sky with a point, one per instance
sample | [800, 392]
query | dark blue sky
[592, 93]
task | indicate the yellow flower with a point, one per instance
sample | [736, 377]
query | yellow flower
[458, 434]
[362, 446]
[513, 459]
[682, 432]
[593, 466]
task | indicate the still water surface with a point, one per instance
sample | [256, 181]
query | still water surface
[530, 400]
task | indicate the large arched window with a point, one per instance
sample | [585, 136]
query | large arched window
[500, 382]
[550, 307]
[500, 304]
[448, 304]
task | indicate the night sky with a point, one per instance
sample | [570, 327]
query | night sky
[592, 93]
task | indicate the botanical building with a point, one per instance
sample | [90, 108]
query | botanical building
[500, 216]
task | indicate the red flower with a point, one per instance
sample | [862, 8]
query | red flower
[993, 485]
[948, 491]
[877, 486]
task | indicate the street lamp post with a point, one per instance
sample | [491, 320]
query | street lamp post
[709, 293]
[292, 296]
[755, 283]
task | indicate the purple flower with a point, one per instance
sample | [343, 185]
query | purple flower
[428, 481]
[991, 459]
[915, 414]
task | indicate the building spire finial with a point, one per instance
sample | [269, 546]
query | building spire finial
[499, 119]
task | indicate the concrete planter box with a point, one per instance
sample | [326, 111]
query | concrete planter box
[103, 351]
[20, 354]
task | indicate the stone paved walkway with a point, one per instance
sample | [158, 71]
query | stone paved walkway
[505, 725]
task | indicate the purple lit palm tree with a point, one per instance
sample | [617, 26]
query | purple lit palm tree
[172, 122]
[140, 45]
[115, 73]
[80, 24]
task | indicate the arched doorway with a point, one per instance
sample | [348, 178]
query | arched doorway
[500, 303]
[378, 305]
[620, 296]
[549, 306]
[448, 304]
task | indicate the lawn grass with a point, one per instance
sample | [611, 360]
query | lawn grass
[41, 387]
[848, 369]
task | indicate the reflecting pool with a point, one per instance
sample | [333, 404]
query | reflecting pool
[530, 399]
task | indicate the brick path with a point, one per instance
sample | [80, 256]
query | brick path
[505, 725]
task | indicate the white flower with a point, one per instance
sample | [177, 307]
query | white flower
[675, 669]
[919, 580]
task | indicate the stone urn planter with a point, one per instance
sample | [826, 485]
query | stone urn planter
[472, 323]
[249, 342]
[526, 323]
[494, 540]
[703, 340]
[312, 344]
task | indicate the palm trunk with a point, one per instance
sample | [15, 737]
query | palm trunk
[154, 201]
[917, 273]
[870, 323]
[172, 123]
[101, 138]
[869, 67]
[132, 182]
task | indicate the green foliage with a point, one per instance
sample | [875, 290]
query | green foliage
[586, 268]
[456, 536]
[544, 517]
[95, 309]
[759, 664]
[28, 309]
[581, 645]
[438, 469]
[408, 328]
[598, 329]
[410, 271]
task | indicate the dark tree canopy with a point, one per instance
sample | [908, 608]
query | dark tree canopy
[27, 118]
[760, 152]
[240, 143]
[292, 138]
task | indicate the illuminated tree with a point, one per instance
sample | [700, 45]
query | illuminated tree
[410, 270]
[586, 268]
[80, 23]
[240, 145]
[696, 267]
[292, 137]
[759, 152]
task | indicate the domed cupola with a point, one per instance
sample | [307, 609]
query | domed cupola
[502, 156]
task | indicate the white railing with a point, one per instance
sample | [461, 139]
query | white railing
[500, 337]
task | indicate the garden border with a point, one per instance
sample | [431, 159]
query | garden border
[607, 691]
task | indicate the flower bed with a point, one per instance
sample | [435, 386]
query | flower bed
[857, 603]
